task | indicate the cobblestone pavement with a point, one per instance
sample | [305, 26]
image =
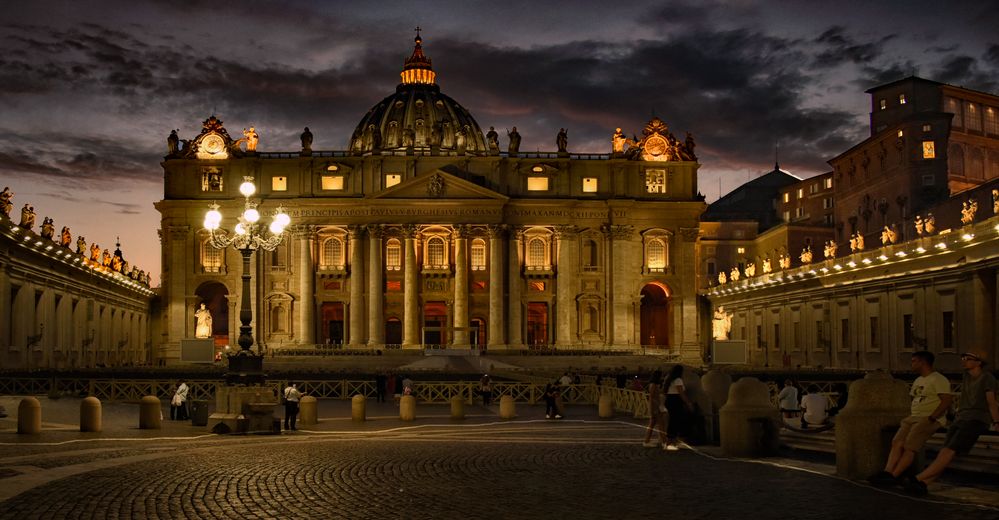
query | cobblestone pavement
[387, 469]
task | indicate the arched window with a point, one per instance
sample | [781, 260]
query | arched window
[211, 257]
[656, 255]
[536, 253]
[332, 253]
[478, 254]
[393, 260]
[435, 253]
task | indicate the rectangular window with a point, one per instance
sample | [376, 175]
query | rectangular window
[907, 331]
[884, 104]
[827, 203]
[954, 107]
[279, 184]
[589, 184]
[787, 216]
[901, 99]
[799, 212]
[655, 181]
[537, 184]
[776, 336]
[332, 182]
[813, 188]
[991, 121]
[211, 179]
[972, 117]
[740, 250]
[787, 197]
[759, 336]
[828, 219]
[801, 193]
[875, 340]
[927, 128]
[948, 330]
[929, 150]
[712, 270]
[391, 179]
[844, 333]
[829, 183]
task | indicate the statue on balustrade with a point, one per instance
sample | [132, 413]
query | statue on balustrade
[918, 222]
[562, 140]
[251, 139]
[806, 255]
[95, 253]
[27, 217]
[6, 206]
[306, 138]
[492, 141]
[203, 316]
[514, 141]
[172, 143]
[968, 210]
[48, 228]
[81, 245]
[106, 258]
[930, 223]
[65, 239]
[618, 142]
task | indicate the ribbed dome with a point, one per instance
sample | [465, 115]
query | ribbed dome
[418, 116]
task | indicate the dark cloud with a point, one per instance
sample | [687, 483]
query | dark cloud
[966, 71]
[838, 47]
[874, 75]
[122, 208]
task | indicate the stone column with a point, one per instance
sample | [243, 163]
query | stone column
[178, 254]
[410, 292]
[307, 286]
[622, 292]
[356, 311]
[567, 283]
[515, 323]
[494, 328]
[376, 289]
[460, 338]
[685, 261]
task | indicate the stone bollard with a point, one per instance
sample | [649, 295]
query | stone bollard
[407, 408]
[864, 427]
[308, 413]
[605, 406]
[716, 384]
[90, 414]
[150, 413]
[359, 408]
[749, 423]
[457, 407]
[29, 416]
[508, 408]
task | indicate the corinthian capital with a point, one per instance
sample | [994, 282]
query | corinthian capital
[620, 232]
[497, 230]
[376, 231]
[410, 230]
[565, 231]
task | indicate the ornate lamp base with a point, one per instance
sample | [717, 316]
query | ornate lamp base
[245, 368]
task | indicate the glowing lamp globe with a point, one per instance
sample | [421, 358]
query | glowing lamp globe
[247, 188]
[276, 228]
[251, 215]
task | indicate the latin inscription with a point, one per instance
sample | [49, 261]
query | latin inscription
[453, 212]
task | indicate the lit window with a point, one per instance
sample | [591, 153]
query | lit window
[435, 253]
[478, 255]
[901, 99]
[537, 184]
[740, 250]
[787, 216]
[536, 258]
[829, 183]
[927, 128]
[972, 119]
[884, 104]
[589, 185]
[901, 134]
[656, 260]
[332, 168]
[813, 188]
[211, 257]
[393, 260]
[392, 179]
[929, 151]
[332, 253]
[279, 184]
[801, 193]
[991, 121]
[537, 169]
[787, 197]
[655, 181]
[332, 182]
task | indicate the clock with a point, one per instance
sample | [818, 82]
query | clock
[655, 148]
[212, 144]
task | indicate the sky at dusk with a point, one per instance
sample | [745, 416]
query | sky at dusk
[90, 90]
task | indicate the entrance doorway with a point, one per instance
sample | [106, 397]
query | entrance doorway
[478, 336]
[333, 323]
[434, 321]
[655, 316]
[393, 331]
[537, 324]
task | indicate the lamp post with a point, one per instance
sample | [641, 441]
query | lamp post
[246, 237]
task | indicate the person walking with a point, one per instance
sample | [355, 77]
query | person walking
[178, 405]
[977, 411]
[291, 398]
[551, 407]
[657, 412]
[930, 400]
[486, 389]
[678, 408]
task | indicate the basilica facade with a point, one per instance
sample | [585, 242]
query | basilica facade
[423, 232]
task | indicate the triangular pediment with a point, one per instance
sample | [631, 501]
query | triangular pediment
[438, 184]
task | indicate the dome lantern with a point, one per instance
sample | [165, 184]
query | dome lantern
[418, 69]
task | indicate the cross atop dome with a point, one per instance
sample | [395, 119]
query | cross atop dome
[418, 69]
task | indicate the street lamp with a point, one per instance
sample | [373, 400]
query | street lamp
[247, 236]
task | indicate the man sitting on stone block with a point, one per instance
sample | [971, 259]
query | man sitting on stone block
[930, 400]
[977, 411]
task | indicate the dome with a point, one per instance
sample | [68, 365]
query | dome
[418, 116]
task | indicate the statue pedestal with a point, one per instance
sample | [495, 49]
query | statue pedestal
[245, 368]
[244, 409]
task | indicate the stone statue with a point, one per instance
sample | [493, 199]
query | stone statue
[436, 133]
[447, 134]
[562, 140]
[721, 325]
[65, 239]
[618, 141]
[784, 261]
[459, 141]
[860, 242]
[95, 253]
[408, 137]
[376, 138]
[919, 225]
[806, 255]
[172, 143]
[492, 141]
[6, 206]
[251, 139]
[306, 142]
[995, 202]
[48, 228]
[124, 267]
[767, 268]
[830, 249]
[27, 217]
[81, 245]
[203, 329]
[106, 258]
[734, 274]
[145, 279]
[888, 236]
[722, 278]
[930, 223]
[968, 210]
[116, 263]
[688, 146]
[514, 142]
[750, 269]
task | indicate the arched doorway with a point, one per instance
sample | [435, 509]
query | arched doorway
[393, 331]
[214, 296]
[655, 316]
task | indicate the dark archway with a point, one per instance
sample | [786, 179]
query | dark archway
[393, 331]
[537, 324]
[214, 296]
[655, 316]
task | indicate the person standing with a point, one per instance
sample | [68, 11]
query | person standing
[930, 400]
[551, 409]
[291, 398]
[178, 405]
[486, 389]
[657, 412]
[678, 406]
[381, 386]
[977, 411]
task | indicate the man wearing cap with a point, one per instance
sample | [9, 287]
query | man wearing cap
[977, 411]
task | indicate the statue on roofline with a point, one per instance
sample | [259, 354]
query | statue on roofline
[562, 140]
[95, 253]
[173, 143]
[492, 141]
[48, 228]
[514, 141]
[27, 217]
[6, 206]
[81, 245]
[306, 138]
[65, 239]
[251, 139]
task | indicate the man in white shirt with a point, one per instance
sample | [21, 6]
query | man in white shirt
[291, 398]
[816, 407]
[931, 398]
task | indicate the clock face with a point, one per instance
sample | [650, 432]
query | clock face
[212, 144]
[655, 146]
